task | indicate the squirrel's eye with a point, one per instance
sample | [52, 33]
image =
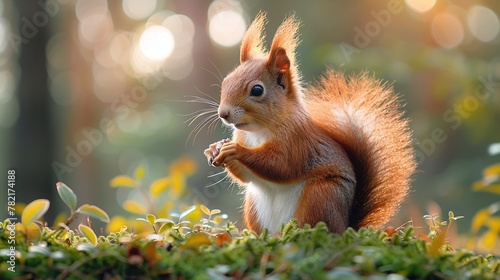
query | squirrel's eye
[257, 91]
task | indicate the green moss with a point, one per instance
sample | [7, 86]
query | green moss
[308, 253]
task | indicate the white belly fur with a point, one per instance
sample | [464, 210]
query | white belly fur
[275, 204]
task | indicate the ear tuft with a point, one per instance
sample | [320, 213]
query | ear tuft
[253, 41]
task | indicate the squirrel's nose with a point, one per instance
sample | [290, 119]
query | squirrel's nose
[224, 114]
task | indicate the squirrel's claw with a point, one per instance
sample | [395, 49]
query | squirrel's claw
[213, 151]
[226, 154]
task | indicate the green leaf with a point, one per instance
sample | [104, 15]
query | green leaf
[94, 212]
[122, 181]
[139, 173]
[67, 195]
[88, 233]
[34, 211]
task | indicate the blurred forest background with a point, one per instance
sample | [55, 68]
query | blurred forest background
[90, 89]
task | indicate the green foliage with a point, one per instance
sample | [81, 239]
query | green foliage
[199, 243]
[294, 253]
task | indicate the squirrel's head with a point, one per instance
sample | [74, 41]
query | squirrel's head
[265, 87]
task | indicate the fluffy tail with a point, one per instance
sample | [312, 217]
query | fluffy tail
[368, 123]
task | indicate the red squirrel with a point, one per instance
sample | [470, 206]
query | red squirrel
[338, 152]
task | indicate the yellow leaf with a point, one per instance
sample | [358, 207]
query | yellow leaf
[19, 208]
[165, 227]
[151, 218]
[478, 185]
[184, 165]
[205, 209]
[139, 173]
[196, 215]
[61, 218]
[116, 224]
[195, 241]
[134, 207]
[122, 181]
[437, 243]
[494, 224]
[489, 239]
[492, 170]
[178, 184]
[33, 231]
[34, 211]
[480, 219]
[88, 233]
[159, 186]
[94, 212]
[494, 188]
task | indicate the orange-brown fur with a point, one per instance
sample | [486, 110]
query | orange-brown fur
[343, 142]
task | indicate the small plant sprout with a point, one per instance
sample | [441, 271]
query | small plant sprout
[437, 235]
[69, 198]
[207, 223]
[153, 221]
[35, 210]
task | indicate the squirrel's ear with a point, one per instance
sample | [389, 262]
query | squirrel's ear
[282, 53]
[279, 61]
[253, 41]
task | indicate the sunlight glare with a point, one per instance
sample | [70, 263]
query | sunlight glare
[421, 6]
[227, 28]
[156, 43]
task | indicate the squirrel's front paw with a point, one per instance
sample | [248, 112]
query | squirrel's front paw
[227, 153]
[213, 151]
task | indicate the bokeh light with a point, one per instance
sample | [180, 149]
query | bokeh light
[421, 6]
[95, 23]
[156, 43]
[119, 48]
[447, 30]
[483, 23]
[138, 9]
[227, 28]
